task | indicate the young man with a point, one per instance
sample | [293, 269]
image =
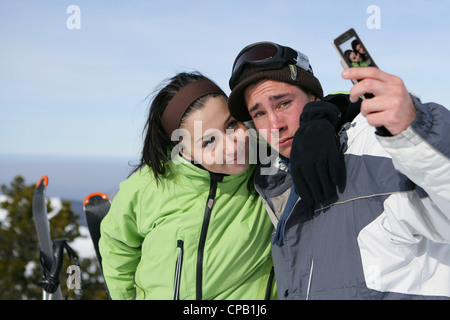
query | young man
[373, 217]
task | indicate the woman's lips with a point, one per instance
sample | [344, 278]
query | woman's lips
[238, 158]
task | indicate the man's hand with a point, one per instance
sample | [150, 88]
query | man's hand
[391, 107]
[317, 163]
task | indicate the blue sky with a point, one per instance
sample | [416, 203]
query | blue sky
[83, 92]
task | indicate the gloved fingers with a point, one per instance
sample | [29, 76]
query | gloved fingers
[320, 110]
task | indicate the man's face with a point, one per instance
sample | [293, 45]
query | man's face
[360, 49]
[275, 107]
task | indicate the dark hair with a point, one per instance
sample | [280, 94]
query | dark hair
[348, 53]
[155, 151]
[355, 44]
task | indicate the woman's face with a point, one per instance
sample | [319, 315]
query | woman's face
[355, 57]
[215, 139]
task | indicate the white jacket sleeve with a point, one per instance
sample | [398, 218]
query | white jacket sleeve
[422, 153]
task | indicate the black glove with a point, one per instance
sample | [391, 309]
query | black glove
[349, 110]
[316, 160]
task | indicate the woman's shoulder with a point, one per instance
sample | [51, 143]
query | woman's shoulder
[143, 181]
[138, 181]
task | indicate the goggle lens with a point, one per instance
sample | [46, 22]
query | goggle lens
[257, 53]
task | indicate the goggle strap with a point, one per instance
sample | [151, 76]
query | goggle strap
[299, 59]
[302, 61]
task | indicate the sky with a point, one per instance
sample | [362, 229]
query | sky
[84, 90]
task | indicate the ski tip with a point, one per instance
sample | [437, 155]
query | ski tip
[43, 180]
[88, 198]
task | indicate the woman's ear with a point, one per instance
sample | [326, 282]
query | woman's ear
[185, 154]
[182, 153]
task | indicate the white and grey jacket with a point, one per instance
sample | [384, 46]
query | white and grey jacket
[387, 236]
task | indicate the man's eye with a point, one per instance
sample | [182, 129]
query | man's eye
[285, 104]
[257, 114]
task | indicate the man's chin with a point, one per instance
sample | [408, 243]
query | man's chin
[285, 152]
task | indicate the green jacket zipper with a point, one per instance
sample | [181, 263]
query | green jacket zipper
[269, 285]
[215, 178]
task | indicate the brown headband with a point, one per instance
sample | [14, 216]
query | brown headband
[183, 99]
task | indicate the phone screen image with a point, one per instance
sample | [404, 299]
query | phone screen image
[353, 51]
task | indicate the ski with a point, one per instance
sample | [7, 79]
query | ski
[51, 288]
[96, 206]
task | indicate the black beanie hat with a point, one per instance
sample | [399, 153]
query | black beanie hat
[303, 79]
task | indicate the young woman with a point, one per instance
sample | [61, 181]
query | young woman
[187, 224]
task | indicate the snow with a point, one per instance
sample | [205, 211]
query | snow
[3, 212]
[56, 205]
[82, 245]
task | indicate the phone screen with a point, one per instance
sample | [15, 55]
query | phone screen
[352, 50]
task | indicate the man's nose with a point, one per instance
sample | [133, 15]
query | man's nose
[276, 121]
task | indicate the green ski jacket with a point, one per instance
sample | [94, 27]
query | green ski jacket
[192, 235]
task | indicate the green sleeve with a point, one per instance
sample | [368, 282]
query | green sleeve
[120, 245]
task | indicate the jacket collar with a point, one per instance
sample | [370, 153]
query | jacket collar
[196, 171]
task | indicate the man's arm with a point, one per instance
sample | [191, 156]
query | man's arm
[422, 152]
[419, 147]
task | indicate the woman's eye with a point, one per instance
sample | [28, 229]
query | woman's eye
[209, 142]
[232, 124]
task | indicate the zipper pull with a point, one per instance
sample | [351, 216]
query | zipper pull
[176, 285]
[345, 127]
[210, 203]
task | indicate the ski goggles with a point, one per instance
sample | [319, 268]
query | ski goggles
[262, 56]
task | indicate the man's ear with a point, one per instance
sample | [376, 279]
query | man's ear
[313, 98]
